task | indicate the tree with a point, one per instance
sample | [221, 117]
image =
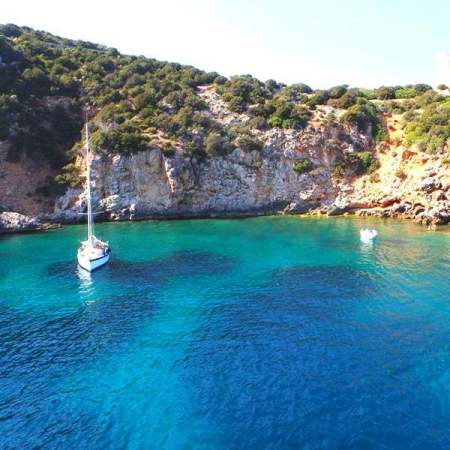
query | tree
[363, 114]
[124, 139]
[10, 30]
[217, 144]
[385, 93]
[272, 85]
[35, 82]
[337, 91]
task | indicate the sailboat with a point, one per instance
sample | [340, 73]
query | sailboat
[93, 253]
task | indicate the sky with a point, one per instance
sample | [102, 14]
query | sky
[323, 43]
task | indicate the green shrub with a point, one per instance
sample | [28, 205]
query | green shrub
[367, 162]
[337, 91]
[410, 115]
[168, 150]
[125, 139]
[10, 30]
[363, 114]
[112, 114]
[241, 91]
[431, 129]
[216, 144]
[346, 100]
[358, 163]
[196, 147]
[428, 98]
[9, 108]
[401, 92]
[284, 113]
[303, 166]
[248, 143]
[272, 85]
[385, 93]
[318, 98]
[258, 122]
[35, 82]
[297, 92]
[70, 176]
[45, 132]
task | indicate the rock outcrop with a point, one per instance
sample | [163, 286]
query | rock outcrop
[149, 184]
[409, 184]
[11, 222]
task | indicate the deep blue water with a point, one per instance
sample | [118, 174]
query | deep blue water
[227, 334]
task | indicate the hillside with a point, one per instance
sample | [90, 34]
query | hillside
[172, 140]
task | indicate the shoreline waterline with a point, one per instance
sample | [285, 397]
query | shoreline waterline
[50, 226]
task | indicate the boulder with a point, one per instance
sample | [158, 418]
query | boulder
[11, 222]
[430, 184]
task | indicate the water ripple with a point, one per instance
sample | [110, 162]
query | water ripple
[271, 333]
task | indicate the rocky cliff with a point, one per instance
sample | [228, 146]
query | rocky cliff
[408, 183]
[150, 184]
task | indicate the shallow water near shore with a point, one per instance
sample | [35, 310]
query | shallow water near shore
[273, 332]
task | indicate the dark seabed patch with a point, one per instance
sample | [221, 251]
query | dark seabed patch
[291, 363]
[73, 337]
[35, 349]
[324, 282]
[176, 264]
[38, 347]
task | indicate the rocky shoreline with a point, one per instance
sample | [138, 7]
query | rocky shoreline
[13, 222]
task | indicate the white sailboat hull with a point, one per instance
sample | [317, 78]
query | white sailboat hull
[90, 264]
[93, 252]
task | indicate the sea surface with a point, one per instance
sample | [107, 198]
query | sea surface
[266, 333]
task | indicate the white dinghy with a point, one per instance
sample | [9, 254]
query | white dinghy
[368, 235]
[93, 253]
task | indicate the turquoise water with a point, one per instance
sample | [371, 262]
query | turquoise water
[227, 334]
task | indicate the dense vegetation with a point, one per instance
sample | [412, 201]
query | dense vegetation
[431, 129]
[136, 96]
[136, 102]
[272, 104]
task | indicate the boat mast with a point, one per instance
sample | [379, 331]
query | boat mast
[90, 220]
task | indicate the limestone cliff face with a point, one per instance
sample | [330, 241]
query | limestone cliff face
[410, 183]
[150, 184]
[20, 182]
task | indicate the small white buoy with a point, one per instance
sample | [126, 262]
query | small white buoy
[368, 235]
